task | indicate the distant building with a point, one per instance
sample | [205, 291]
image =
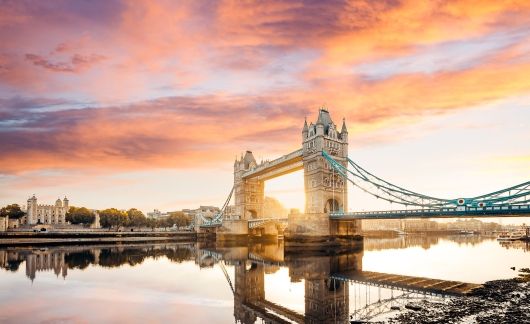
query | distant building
[156, 214]
[419, 225]
[46, 214]
[4, 223]
[206, 211]
[382, 224]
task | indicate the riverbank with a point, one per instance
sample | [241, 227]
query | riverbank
[498, 301]
[92, 237]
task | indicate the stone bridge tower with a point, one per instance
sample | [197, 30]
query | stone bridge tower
[249, 193]
[325, 189]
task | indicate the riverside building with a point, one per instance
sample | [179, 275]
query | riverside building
[46, 214]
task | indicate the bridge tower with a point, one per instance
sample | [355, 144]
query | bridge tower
[249, 192]
[325, 189]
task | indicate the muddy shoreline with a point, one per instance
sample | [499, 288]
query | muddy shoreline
[498, 301]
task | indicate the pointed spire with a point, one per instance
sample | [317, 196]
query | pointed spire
[344, 129]
[306, 129]
[319, 120]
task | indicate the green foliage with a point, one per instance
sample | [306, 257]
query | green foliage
[178, 219]
[80, 215]
[136, 218]
[151, 223]
[12, 211]
[113, 217]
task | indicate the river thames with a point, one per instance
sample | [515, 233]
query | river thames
[204, 283]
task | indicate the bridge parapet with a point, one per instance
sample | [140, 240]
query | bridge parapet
[253, 223]
[449, 212]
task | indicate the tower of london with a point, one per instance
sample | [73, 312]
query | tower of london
[46, 214]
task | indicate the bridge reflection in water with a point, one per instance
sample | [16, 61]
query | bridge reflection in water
[336, 289]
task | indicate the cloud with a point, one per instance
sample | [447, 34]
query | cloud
[169, 132]
[180, 84]
[76, 63]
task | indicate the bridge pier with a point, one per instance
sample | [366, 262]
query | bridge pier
[233, 231]
[314, 232]
[239, 231]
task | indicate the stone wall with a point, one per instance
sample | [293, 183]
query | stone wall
[349, 227]
[308, 225]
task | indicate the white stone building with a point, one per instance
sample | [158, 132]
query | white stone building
[4, 223]
[46, 214]
[157, 214]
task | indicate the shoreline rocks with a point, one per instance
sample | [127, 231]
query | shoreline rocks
[498, 301]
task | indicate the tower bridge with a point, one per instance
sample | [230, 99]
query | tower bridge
[327, 220]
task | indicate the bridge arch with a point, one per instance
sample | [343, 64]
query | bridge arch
[252, 214]
[332, 205]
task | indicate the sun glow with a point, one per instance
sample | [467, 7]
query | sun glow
[288, 189]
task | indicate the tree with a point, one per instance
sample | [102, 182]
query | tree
[80, 215]
[151, 223]
[179, 219]
[112, 217]
[13, 211]
[136, 217]
[164, 222]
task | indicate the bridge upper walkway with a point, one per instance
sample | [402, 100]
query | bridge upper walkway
[282, 165]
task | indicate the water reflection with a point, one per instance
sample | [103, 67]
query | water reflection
[421, 240]
[326, 288]
[60, 259]
[518, 245]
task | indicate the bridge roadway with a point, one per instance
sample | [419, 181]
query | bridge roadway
[255, 223]
[449, 212]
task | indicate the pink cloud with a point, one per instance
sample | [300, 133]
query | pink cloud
[76, 63]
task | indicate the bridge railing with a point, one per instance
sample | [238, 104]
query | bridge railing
[449, 211]
[253, 223]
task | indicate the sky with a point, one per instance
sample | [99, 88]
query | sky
[146, 103]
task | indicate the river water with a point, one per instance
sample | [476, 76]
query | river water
[202, 283]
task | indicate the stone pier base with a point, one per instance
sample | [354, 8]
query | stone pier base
[316, 232]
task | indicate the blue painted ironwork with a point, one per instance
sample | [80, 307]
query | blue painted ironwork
[508, 200]
[217, 219]
[449, 212]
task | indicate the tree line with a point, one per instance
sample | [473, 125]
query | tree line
[110, 217]
[115, 218]
[12, 211]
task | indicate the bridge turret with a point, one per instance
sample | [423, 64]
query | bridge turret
[305, 130]
[249, 193]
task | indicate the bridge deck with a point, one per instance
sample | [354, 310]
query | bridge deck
[490, 211]
[408, 283]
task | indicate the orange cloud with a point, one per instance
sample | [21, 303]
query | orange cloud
[173, 132]
[172, 67]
